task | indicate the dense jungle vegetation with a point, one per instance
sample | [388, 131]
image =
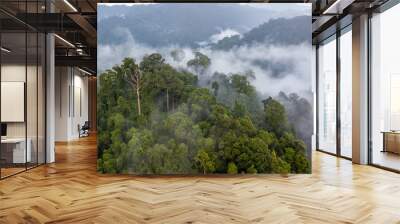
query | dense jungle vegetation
[157, 119]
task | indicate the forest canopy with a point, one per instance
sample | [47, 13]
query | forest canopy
[157, 119]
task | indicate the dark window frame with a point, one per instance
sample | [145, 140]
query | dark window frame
[339, 32]
[29, 30]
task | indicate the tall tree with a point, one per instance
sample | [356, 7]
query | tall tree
[133, 76]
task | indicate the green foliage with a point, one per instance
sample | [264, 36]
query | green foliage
[232, 169]
[242, 85]
[251, 170]
[186, 128]
[275, 117]
[293, 151]
[200, 104]
[239, 110]
[199, 63]
[300, 115]
[152, 63]
[236, 92]
[204, 162]
[100, 165]
[215, 87]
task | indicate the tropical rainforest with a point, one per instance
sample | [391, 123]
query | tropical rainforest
[204, 88]
[157, 119]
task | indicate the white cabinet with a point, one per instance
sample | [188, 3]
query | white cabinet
[19, 154]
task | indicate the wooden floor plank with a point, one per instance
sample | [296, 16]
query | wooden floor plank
[70, 191]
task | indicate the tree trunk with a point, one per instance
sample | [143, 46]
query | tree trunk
[138, 101]
[167, 101]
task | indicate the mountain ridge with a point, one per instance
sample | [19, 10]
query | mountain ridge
[271, 32]
[186, 25]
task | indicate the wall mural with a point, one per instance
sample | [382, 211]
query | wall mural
[204, 88]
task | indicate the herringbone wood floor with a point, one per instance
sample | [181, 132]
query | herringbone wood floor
[70, 191]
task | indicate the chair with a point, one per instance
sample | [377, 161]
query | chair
[84, 130]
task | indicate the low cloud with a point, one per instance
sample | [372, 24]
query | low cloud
[237, 60]
[222, 34]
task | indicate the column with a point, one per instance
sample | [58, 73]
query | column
[360, 90]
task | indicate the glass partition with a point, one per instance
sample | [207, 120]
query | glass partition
[41, 91]
[327, 95]
[346, 93]
[385, 89]
[13, 94]
[31, 99]
[22, 88]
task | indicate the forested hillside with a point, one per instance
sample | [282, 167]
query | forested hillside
[276, 31]
[158, 119]
[187, 24]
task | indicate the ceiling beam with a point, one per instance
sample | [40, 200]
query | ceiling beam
[77, 61]
[83, 23]
[49, 22]
[337, 7]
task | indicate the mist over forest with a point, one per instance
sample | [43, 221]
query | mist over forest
[252, 65]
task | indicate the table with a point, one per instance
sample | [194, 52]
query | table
[391, 141]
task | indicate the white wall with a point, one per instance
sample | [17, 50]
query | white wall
[81, 114]
[16, 73]
[62, 81]
[71, 94]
